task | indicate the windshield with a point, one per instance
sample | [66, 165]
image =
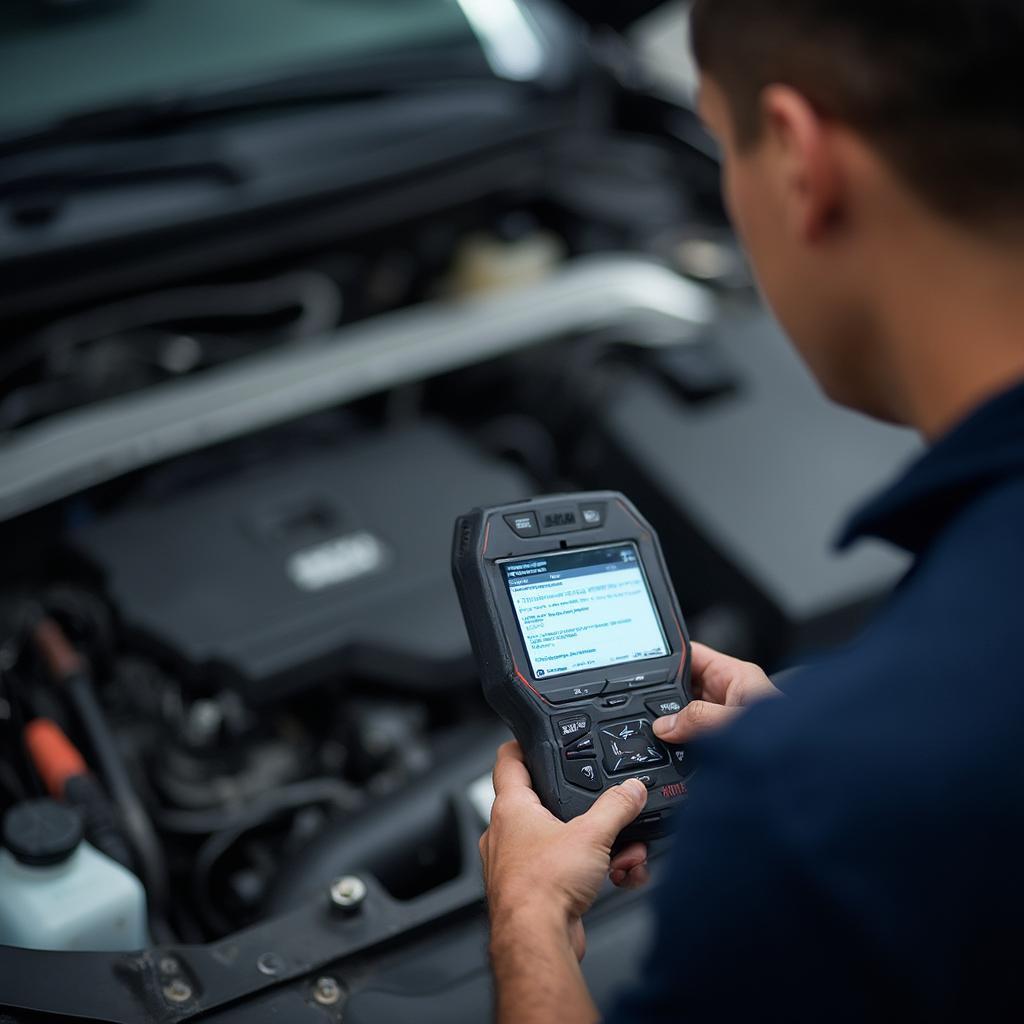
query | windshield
[110, 52]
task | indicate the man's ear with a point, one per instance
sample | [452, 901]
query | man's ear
[809, 174]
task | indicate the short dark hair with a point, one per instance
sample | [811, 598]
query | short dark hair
[936, 85]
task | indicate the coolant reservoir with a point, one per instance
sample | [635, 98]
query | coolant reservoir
[58, 892]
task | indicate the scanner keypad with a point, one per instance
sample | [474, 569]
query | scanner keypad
[630, 747]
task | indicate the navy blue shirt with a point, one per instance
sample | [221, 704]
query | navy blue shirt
[855, 851]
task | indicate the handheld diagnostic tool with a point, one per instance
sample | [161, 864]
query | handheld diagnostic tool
[580, 645]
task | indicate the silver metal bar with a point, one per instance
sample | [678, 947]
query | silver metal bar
[68, 453]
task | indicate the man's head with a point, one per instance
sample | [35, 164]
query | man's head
[850, 128]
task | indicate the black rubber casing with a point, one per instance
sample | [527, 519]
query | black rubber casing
[483, 538]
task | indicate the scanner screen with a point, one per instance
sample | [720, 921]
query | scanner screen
[586, 609]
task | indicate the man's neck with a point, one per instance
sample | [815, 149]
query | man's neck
[953, 317]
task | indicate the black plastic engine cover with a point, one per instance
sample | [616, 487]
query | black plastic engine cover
[331, 565]
[748, 473]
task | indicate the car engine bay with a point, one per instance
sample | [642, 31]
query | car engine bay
[230, 460]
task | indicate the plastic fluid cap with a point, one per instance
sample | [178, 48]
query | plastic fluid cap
[41, 832]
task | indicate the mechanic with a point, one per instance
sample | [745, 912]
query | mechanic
[853, 850]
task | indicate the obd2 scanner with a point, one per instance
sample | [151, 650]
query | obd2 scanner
[580, 645]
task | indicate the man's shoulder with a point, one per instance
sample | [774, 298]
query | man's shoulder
[925, 710]
[869, 823]
[976, 559]
[953, 629]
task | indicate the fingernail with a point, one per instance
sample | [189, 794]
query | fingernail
[664, 725]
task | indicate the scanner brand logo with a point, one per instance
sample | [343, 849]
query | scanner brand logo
[337, 561]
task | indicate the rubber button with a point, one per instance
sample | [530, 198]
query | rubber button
[648, 679]
[583, 773]
[616, 702]
[571, 693]
[684, 761]
[524, 523]
[570, 729]
[664, 704]
[592, 516]
[637, 679]
[560, 520]
[584, 746]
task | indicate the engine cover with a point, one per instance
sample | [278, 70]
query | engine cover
[749, 488]
[333, 565]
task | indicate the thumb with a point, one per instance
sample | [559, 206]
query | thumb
[697, 717]
[614, 810]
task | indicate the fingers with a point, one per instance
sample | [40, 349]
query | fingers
[629, 867]
[636, 878]
[613, 811]
[510, 772]
[702, 656]
[720, 679]
[696, 718]
[629, 857]
[714, 673]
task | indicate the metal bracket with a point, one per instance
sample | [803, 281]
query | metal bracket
[60, 456]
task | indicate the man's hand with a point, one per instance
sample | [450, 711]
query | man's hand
[723, 686]
[534, 863]
[541, 875]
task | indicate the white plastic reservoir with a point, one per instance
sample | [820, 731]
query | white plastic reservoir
[58, 892]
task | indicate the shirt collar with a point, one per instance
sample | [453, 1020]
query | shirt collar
[984, 449]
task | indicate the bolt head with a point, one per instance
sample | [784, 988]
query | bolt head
[177, 991]
[326, 991]
[270, 964]
[348, 892]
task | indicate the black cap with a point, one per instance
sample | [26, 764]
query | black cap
[41, 832]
